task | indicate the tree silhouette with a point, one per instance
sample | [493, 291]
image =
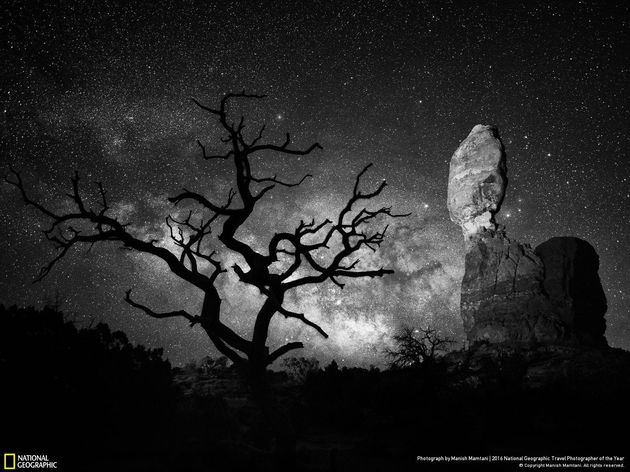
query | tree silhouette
[198, 265]
[416, 347]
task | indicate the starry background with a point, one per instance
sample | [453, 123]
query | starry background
[104, 87]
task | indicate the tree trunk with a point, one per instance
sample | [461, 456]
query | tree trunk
[275, 417]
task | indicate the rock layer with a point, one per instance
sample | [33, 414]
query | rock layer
[511, 293]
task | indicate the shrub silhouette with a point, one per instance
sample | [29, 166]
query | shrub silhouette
[80, 391]
[299, 368]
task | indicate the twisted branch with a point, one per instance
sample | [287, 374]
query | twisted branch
[169, 314]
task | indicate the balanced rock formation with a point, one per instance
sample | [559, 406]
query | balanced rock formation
[511, 293]
[477, 180]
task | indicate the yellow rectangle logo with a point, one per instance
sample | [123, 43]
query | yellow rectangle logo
[9, 461]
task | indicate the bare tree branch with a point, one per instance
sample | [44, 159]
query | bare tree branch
[303, 319]
[221, 210]
[213, 156]
[105, 228]
[224, 349]
[283, 148]
[281, 351]
[353, 239]
[170, 314]
[275, 180]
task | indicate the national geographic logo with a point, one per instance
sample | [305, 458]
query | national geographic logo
[14, 461]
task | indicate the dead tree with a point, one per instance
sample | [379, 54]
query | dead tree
[196, 263]
[416, 347]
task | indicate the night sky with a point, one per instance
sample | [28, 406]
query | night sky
[104, 87]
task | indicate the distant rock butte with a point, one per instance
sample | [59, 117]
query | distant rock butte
[572, 284]
[511, 293]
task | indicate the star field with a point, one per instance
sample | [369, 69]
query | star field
[105, 87]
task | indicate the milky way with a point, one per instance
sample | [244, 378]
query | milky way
[105, 87]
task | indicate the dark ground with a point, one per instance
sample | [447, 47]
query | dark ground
[92, 401]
